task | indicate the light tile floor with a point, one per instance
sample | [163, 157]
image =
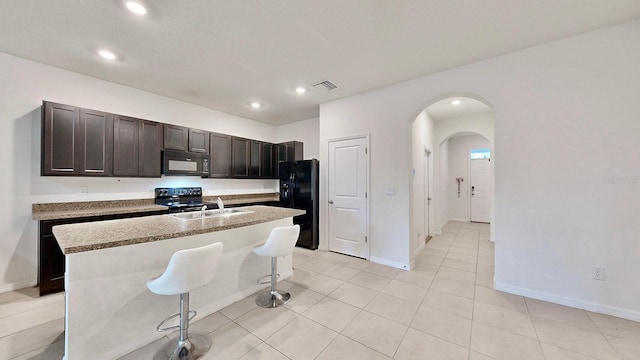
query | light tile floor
[346, 308]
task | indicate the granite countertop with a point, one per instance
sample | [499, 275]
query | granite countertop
[75, 238]
[72, 210]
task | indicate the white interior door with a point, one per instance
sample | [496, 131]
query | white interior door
[479, 186]
[348, 212]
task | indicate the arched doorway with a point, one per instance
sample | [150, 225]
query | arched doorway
[467, 123]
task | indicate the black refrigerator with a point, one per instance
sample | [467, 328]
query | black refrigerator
[299, 190]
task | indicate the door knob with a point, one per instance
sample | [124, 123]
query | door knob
[331, 202]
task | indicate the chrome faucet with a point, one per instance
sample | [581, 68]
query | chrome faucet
[220, 205]
[202, 210]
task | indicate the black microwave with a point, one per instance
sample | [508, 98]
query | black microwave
[185, 163]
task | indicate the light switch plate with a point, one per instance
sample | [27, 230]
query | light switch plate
[390, 190]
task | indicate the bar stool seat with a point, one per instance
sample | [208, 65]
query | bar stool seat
[280, 242]
[187, 270]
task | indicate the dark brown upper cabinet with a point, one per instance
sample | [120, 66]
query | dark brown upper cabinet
[198, 141]
[176, 137]
[267, 164]
[137, 147]
[76, 141]
[220, 155]
[288, 151]
[240, 157]
[149, 148]
[255, 159]
[293, 151]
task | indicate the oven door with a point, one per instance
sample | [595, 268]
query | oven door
[185, 163]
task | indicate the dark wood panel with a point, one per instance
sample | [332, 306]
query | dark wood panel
[96, 136]
[255, 158]
[176, 137]
[125, 146]
[150, 149]
[239, 157]
[199, 141]
[267, 160]
[220, 155]
[60, 131]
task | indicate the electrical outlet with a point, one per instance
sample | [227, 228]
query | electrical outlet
[598, 273]
[83, 190]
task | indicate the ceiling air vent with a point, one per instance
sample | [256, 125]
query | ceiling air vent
[327, 84]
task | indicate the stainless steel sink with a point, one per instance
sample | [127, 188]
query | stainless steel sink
[194, 215]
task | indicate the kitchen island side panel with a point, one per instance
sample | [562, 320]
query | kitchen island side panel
[109, 310]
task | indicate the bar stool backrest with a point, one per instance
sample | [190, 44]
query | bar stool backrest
[188, 270]
[280, 242]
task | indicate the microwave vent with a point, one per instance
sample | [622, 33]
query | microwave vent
[327, 84]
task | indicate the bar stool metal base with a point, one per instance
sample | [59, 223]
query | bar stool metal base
[268, 299]
[194, 348]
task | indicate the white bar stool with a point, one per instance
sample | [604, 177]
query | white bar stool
[280, 243]
[188, 270]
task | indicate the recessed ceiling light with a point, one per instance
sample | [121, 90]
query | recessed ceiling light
[107, 54]
[136, 8]
[455, 102]
[256, 105]
[301, 90]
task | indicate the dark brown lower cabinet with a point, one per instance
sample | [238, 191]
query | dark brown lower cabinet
[50, 257]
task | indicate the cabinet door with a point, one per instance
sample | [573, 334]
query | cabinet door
[125, 146]
[220, 155]
[267, 160]
[96, 143]
[60, 132]
[293, 151]
[199, 141]
[76, 141]
[149, 148]
[176, 137]
[255, 159]
[239, 157]
[51, 266]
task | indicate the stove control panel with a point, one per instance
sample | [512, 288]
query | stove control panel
[178, 192]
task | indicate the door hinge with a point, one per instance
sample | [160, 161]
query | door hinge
[365, 239]
[365, 194]
[366, 150]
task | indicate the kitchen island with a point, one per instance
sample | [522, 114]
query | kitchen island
[110, 312]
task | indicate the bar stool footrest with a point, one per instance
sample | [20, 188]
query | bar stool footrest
[263, 282]
[159, 328]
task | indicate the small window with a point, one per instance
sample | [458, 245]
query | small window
[481, 153]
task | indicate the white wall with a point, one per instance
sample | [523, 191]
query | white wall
[558, 212]
[422, 130]
[306, 131]
[23, 87]
[442, 186]
[459, 147]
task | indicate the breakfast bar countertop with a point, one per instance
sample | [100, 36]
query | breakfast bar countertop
[75, 238]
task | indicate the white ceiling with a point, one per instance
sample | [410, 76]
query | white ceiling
[225, 54]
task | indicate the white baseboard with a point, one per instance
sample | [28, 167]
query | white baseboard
[458, 219]
[391, 263]
[418, 249]
[571, 302]
[17, 286]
